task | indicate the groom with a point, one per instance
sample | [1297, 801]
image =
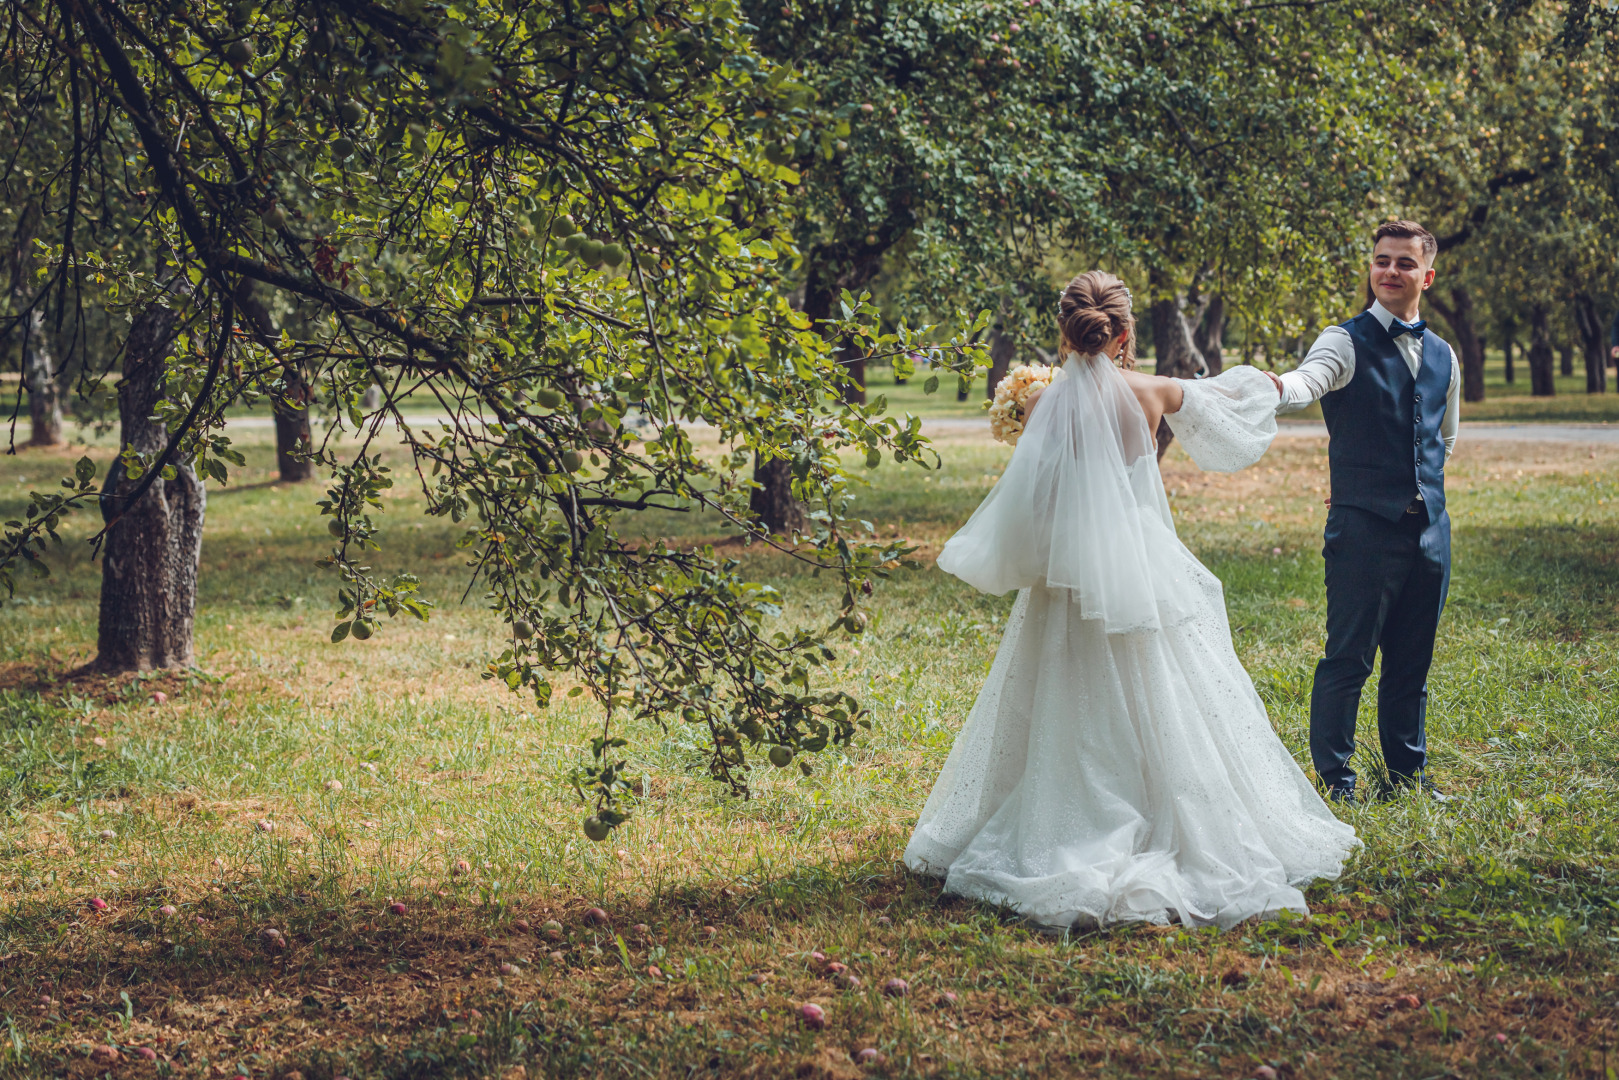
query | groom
[1388, 389]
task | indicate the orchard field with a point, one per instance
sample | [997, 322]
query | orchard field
[405, 829]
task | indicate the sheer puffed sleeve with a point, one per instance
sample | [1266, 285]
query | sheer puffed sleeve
[1228, 422]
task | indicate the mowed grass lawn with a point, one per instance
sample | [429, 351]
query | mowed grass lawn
[290, 784]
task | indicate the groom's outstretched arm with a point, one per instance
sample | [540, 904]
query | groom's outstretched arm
[1328, 366]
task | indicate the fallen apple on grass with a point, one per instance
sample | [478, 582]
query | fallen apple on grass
[812, 1015]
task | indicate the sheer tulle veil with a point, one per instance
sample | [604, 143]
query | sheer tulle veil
[1080, 507]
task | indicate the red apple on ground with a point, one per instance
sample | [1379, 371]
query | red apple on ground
[97, 904]
[896, 988]
[597, 917]
[397, 908]
[869, 1056]
[813, 1016]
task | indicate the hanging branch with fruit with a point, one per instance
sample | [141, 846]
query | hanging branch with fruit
[560, 230]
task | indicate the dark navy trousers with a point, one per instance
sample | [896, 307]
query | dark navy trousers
[1386, 585]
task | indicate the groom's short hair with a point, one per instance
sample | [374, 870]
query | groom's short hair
[1408, 230]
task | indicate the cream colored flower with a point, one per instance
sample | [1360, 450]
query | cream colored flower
[1009, 410]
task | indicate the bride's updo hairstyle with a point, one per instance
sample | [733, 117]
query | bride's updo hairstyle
[1093, 312]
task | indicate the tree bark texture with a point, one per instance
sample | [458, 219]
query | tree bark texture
[292, 434]
[1541, 383]
[1002, 351]
[291, 407]
[1565, 360]
[39, 375]
[1469, 346]
[1508, 370]
[1209, 338]
[1589, 322]
[1174, 352]
[823, 286]
[149, 564]
[772, 501]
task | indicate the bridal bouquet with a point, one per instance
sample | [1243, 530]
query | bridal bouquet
[1009, 410]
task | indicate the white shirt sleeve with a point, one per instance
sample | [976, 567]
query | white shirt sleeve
[1452, 418]
[1328, 366]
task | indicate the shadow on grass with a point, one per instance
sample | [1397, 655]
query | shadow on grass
[263, 977]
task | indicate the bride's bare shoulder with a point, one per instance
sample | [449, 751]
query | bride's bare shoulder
[1156, 393]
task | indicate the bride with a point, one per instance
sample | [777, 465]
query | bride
[1118, 765]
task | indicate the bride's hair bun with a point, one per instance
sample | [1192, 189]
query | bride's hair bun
[1093, 312]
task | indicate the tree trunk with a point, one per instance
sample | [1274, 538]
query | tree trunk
[372, 401]
[772, 501]
[1002, 351]
[1507, 369]
[149, 563]
[1541, 383]
[1589, 323]
[292, 434]
[1565, 360]
[1469, 346]
[1209, 337]
[291, 407]
[44, 398]
[821, 294]
[1174, 352]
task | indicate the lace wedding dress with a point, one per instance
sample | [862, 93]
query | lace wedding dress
[1118, 765]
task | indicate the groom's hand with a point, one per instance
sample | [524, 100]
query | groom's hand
[1271, 375]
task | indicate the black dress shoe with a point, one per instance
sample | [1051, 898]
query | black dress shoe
[1341, 793]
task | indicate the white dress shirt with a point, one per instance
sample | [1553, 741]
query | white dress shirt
[1330, 364]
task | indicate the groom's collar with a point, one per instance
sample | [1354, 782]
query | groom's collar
[1383, 315]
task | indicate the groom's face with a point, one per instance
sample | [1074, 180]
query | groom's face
[1400, 272]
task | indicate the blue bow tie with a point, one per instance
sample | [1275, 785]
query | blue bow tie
[1396, 328]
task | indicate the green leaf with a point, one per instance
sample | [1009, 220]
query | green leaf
[931, 386]
[341, 631]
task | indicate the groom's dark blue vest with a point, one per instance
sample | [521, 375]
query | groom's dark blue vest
[1385, 447]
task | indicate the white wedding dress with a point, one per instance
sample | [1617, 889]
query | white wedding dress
[1118, 765]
